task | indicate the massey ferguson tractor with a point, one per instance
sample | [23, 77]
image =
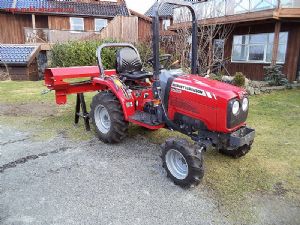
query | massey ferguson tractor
[210, 112]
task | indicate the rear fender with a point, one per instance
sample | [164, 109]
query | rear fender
[124, 96]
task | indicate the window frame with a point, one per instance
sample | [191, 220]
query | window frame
[72, 24]
[166, 23]
[266, 44]
[98, 31]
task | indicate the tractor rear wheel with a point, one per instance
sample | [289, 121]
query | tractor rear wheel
[108, 118]
[238, 153]
[183, 162]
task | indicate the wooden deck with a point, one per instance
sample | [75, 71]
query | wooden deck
[277, 14]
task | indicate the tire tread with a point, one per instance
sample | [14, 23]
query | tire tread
[194, 160]
[119, 126]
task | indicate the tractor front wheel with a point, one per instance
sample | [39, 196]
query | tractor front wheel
[183, 162]
[108, 118]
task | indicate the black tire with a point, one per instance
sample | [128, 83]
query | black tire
[193, 158]
[118, 126]
[238, 153]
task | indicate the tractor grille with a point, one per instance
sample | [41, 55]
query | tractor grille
[241, 117]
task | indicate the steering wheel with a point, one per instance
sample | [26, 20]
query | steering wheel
[163, 59]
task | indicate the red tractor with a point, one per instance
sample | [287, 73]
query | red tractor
[211, 113]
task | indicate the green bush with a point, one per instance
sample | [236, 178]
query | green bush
[145, 50]
[81, 53]
[215, 76]
[274, 76]
[239, 79]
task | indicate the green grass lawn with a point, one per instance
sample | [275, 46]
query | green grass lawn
[272, 167]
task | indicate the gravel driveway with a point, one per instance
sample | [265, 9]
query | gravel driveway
[67, 182]
[61, 181]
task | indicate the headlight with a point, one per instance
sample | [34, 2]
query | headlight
[245, 104]
[235, 108]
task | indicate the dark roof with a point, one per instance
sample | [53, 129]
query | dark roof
[104, 9]
[167, 10]
[17, 54]
[6, 4]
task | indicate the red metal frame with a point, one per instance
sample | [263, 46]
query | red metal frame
[60, 81]
[193, 96]
[56, 79]
[207, 104]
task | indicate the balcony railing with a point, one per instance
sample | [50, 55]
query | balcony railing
[44, 35]
[39, 35]
[219, 8]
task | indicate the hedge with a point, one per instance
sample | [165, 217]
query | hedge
[83, 53]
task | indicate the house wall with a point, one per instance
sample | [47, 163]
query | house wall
[89, 24]
[41, 21]
[63, 23]
[58, 23]
[255, 70]
[144, 27]
[12, 28]
[121, 28]
[24, 72]
[18, 73]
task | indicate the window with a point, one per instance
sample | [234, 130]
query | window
[100, 24]
[166, 24]
[76, 24]
[258, 48]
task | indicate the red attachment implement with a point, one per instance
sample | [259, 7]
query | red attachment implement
[63, 81]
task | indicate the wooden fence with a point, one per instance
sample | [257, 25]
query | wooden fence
[120, 28]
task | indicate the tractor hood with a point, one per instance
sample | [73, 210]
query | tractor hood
[211, 87]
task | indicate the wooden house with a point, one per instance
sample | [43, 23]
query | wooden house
[41, 23]
[264, 32]
[50, 21]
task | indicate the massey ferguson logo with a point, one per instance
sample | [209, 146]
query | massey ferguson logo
[177, 86]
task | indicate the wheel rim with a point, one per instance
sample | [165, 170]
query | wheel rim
[102, 119]
[177, 164]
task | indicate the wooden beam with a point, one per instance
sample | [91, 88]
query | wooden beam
[276, 43]
[33, 21]
[33, 55]
[263, 15]
[293, 53]
[288, 13]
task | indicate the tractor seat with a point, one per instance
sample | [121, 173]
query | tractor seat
[129, 65]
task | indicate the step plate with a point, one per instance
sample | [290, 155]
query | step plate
[146, 118]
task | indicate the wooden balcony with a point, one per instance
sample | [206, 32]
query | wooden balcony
[44, 35]
[120, 28]
[235, 11]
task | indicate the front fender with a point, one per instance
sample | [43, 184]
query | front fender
[124, 96]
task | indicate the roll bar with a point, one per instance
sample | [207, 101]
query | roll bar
[111, 45]
[155, 40]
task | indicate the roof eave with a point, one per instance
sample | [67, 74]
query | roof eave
[17, 64]
[58, 14]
